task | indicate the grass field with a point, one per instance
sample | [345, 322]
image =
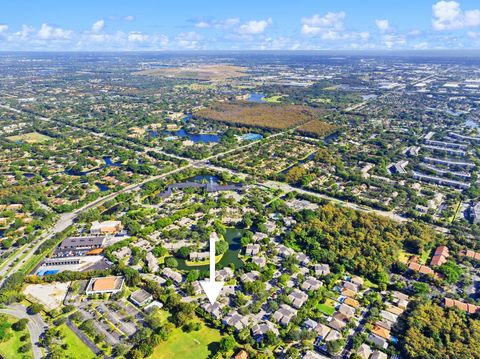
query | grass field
[76, 348]
[9, 348]
[31, 137]
[274, 99]
[203, 73]
[194, 345]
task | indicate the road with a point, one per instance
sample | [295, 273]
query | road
[66, 220]
[36, 326]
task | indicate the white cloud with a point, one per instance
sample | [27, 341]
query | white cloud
[48, 32]
[129, 18]
[3, 28]
[448, 15]
[328, 27]
[218, 24]
[202, 25]
[25, 32]
[391, 40]
[251, 27]
[188, 40]
[254, 27]
[383, 25]
[98, 26]
[331, 27]
[137, 36]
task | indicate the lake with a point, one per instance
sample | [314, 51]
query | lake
[232, 236]
[256, 97]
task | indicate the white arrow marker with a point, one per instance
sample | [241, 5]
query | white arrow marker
[210, 287]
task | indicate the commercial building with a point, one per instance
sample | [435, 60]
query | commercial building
[110, 285]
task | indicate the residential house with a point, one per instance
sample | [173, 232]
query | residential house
[312, 283]
[252, 249]
[298, 298]
[364, 351]
[322, 269]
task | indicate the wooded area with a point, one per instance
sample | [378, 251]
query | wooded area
[261, 115]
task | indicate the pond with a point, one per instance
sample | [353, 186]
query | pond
[108, 163]
[102, 187]
[256, 97]
[471, 123]
[197, 138]
[251, 137]
[232, 236]
[299, 162]
[331, 138]
[204, 179]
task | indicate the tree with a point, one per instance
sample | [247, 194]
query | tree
[221, 247]
[159, 251]
[119, 350]
[451, 271]
[293, 353]
[184, 252]
[192, 276]
[227, 344]
[35, 308]
[433, 332]
[20, 325]
[25, 348]
[334, 346]
[171, 262]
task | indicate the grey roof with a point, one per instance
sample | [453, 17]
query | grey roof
[140, 296]
[82, 242]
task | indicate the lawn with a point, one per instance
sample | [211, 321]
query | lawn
[9, 348]
[31, 137]
[328, 307]
[204, 262]
[193, 345]
[76, 348]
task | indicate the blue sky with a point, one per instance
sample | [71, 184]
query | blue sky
[239, 25]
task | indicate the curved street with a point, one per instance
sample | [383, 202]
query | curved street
[36, 326]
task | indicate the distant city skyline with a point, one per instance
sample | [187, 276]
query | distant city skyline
[87, 25]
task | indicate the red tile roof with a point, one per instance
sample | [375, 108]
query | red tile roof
[419, 268]
[440, 256]
[467, 307]
[469, 253]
